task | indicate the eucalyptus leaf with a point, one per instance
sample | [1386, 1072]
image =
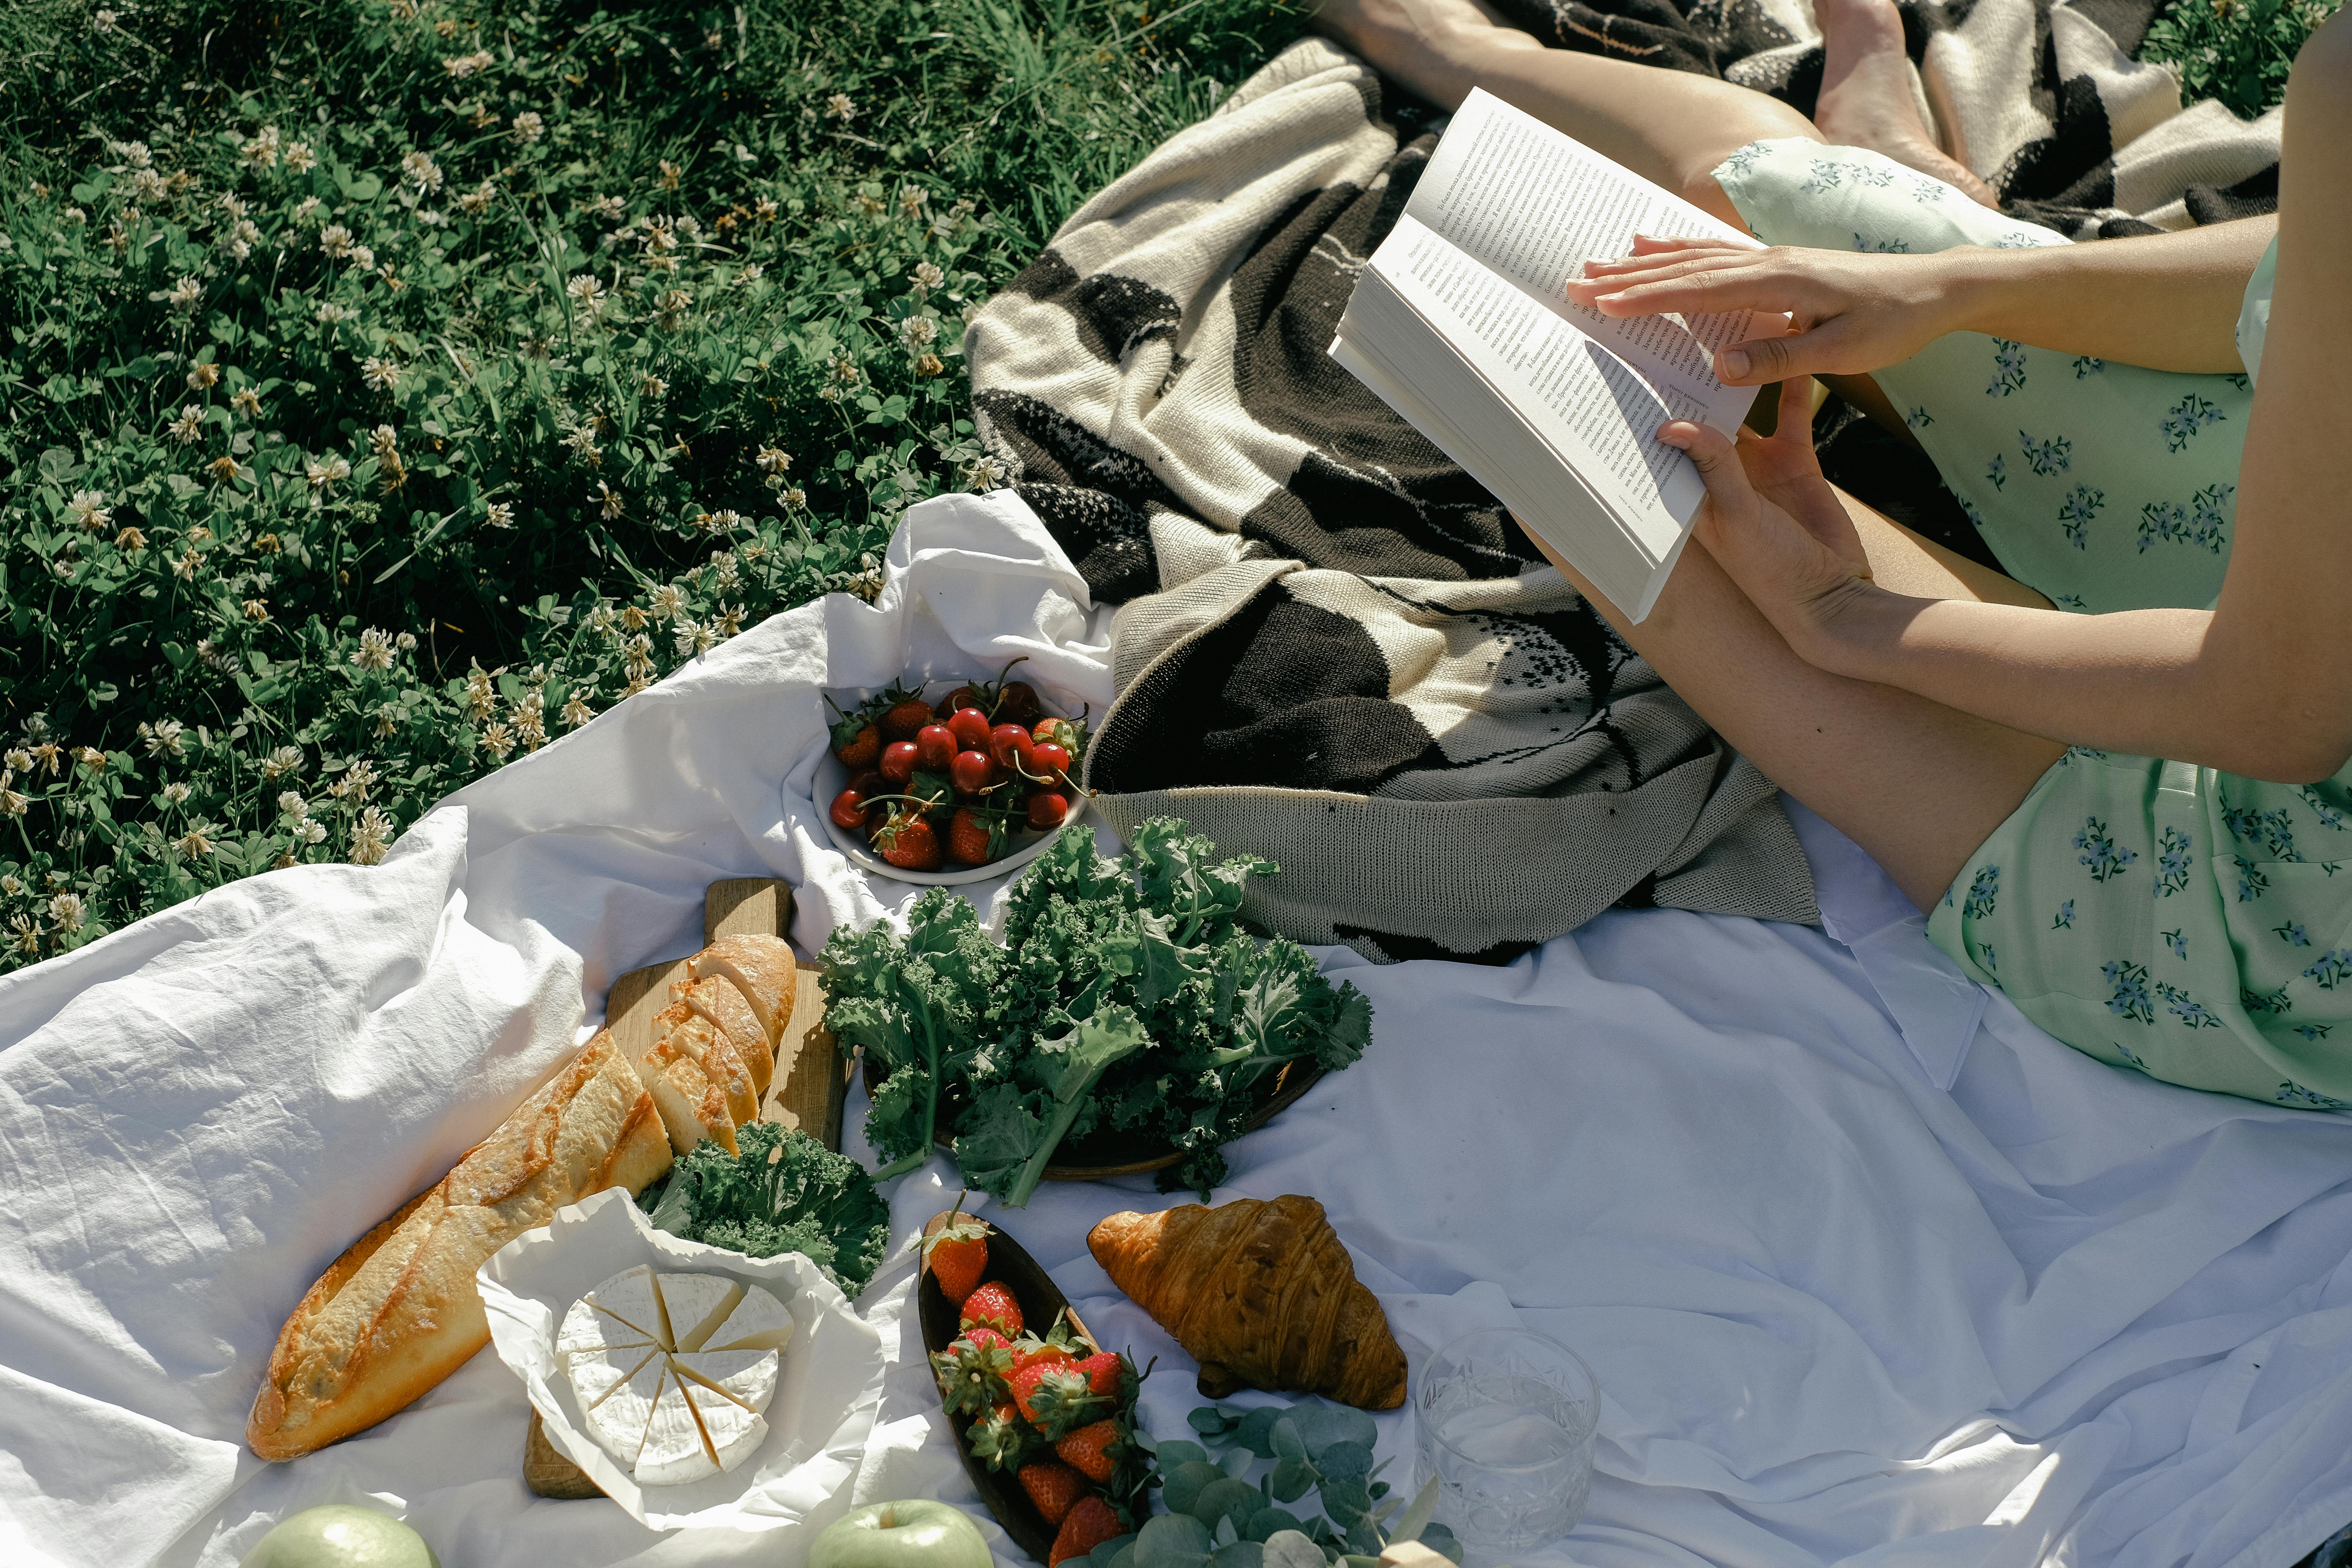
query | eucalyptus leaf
[1291, 1549]
[1222, 1498]
[1321, 1424]
[1266, 1522]
[1345, 1502]
[1345, 1461]
[1175, 1451]
[1288, 1444]
[1184, 1483]
[1238, 1462]
[1102, 1556]
[1173, 1540]
[1417, 1517]
[1209, 1421]
[1255, 1432]
[1440, 1540]
[1364, 1537]
[1239, 1554]
[1293, 1479]
[1226, 1532]
[1126, 1558]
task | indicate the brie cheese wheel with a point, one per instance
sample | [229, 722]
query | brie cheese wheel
[675, 1451]
[587, 1331]
[760, 1323]
[746, 1378]
[673, 1371]
[619, 1418]
[732, 1433]
[629, 1297]
[696, 1304]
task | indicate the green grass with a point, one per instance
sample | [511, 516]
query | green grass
[333, 479]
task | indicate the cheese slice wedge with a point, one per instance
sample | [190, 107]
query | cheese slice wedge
[675, 1451]
[629, 1297]
[619, 1418]
[596, 1380]
[760, 1323]
[731, 1433]
[587, 1331]
[746, 1378]
[696, 1304]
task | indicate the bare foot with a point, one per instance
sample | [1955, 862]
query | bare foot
[1866, 98]
[1433, 46]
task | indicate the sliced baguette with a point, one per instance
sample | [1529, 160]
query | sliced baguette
[719, 1001]
[692, 1107]
[761, 968]
[399, 1310]
[714, 1050]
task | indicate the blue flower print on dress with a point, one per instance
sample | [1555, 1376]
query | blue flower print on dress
[1924, 189]
[2128, 1055]
[1878, 177]
[2199, 522]
[1975, 517]
[2273, 830]
[2088, 365]
[2330, 970]
[1827, 175]
[2292, 935]
[2265, 1001]
[1882, 246]
[2173, 860]
[2070, 602]
[1983, 893]
[1919, 419]
[2064, 920]
[2130, 982]
[2252, 883]
[2192, 1013]
[2312, 1032]
[1991, 959]
[2174, 940]
[2075, 512]
[2329, 815]
[2293, 1093]
[2186, 417]
[2008, 368]
[1997, 472]
[1745, 159]
[2099, 851]
[2054, 456]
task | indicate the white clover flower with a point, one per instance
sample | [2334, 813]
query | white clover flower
[134, 153]
[357, 780]
[653, 386]
[311, 830]
[729, 620]
[773, 459]
[607, 500]
[282, 763]
[197, 843]
[184, 295]
[501, 515]
[602, 620]
[147, 186]
[74, 216]
[91, 758]
[11, 887]
[12, 802]
[66, 912]
[689, 636]
[24, 935]
[670, 307]
[498, 739]
[247, 402]
[374, 651]
[262, 151]
[380, 373]
[371, 837]
[175, 793]
[241, 238]
[725, 521]
[915, 332]
[386, 442]
[528, 127]
[576, 712]
[723, 563]
[309, 206]
[187, 425]
[476, 202]
[460, 67]
[926, 275]
[324, 472]
[983, 474]
[20, 761]
[362, 257]
[418, 169]
[88, 510]
[335, 240]
[300, 158]
[405, 642]
[795, 497]
[292, 804]
[840, 107]
[667, 600]
[203, 376]
[479, 693]
[185, 567]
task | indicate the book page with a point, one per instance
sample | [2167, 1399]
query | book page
[1535, 204]
[1594, 409]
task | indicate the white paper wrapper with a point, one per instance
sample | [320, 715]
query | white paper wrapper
[825, 1396]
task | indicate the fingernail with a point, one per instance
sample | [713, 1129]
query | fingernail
[1735, 364]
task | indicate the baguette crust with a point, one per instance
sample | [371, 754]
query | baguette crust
[761, 968]
[724, 1005]
[399, 1310]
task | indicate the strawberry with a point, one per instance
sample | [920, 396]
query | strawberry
[1086, 1450]
[1053, 1486]
[973, 1371]
[1090, 1522]
[976, 837]
[992, 1304]
[956, 1255]
[855, 739]
[908, 842]
[1103, 1369]
[1056, 1395]
[999, 1438]
[907, 713]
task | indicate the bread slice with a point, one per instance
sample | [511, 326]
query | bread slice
[692, 1107]
[719, 1001]
[761, 968]
[710, 1047]
[399, 1310]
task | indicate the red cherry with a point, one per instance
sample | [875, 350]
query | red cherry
[1008, 744]
[934, 747]
[1054, 762]
[1047, 809]
[869, 783]
[970, 727]
[898, 761]
[849, 809]
[971, 772]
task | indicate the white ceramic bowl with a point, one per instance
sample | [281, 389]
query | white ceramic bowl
[833, 777]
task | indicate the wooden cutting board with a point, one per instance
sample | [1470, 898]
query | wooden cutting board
[810, 1087]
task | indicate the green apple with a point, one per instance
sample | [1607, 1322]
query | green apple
[339, 1536]
[918, 1533]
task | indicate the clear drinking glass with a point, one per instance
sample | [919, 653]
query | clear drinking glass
[1506, 1419]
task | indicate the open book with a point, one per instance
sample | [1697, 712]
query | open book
[1460, 323]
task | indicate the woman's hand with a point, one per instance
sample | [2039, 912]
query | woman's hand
[1776, 527]
[1850, 314]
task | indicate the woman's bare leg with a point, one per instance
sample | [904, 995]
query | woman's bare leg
[1917, 785]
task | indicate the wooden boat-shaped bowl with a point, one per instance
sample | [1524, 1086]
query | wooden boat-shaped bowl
[1040, 1302]
[1114, 1154]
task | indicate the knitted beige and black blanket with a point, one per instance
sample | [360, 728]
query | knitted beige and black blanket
[1336, 649]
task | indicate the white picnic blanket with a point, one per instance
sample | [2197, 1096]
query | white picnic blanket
[2057, 1313]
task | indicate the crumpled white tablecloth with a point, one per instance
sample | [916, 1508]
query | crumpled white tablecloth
[1865, 1279]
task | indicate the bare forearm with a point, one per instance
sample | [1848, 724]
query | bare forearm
[2143, 682]
[2168, 302]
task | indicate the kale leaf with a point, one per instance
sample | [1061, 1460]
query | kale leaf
[782, 1192]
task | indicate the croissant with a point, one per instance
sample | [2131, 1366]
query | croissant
[1261, 1294]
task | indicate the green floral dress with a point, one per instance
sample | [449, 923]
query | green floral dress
[2192, 925]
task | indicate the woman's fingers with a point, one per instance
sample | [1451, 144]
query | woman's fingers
[1717, 461]
[1827, 350]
